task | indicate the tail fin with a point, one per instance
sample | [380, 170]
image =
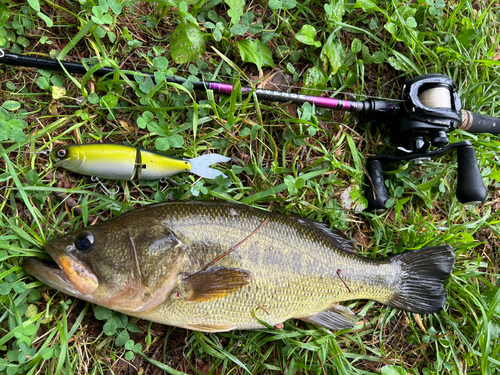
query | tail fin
[424, 272]
[201, 165]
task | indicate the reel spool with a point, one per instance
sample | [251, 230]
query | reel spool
[431, 109]
[436, 97]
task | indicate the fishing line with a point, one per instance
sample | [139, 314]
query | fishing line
[234, 247]
[341, 279]
[46, 152]
[326, 90]
[438, 97]
[5, 187]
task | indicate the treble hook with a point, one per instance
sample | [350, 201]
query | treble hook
[169, 181]
[106, 190]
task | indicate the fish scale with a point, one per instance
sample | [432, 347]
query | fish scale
[159, 262]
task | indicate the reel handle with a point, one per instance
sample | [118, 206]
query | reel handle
[470, 186]
[477, 123]
[376, 192]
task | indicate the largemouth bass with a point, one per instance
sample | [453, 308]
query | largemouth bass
[218, 266]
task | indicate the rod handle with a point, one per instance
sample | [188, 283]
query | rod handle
[376, 191]
[477, 123]
[470, 186]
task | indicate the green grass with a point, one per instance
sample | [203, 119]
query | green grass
[294, 160]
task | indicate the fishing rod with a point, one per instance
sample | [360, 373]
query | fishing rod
[429, 109]
[367, 107]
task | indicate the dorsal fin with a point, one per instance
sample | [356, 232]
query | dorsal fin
[335, 235]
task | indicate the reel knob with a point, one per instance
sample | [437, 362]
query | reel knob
[440, 139]
[470, 186]
[376, 192]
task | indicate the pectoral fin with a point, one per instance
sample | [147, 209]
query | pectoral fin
[336, 318]
[214, 283]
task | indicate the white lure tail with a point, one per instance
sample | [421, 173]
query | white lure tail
[201, 165]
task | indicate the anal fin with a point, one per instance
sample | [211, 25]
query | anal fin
[214, 283]
[209, 327]
[336, 318]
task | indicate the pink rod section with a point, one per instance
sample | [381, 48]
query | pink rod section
[278, 96]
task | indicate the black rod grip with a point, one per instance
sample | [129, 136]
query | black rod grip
[78, 68]
[476, 123]
[375, 192]
[470, 186]
[42, 63]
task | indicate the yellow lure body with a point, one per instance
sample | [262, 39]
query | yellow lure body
[158, 164]
[121, 162]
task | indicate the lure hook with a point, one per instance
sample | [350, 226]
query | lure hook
[106, 190]
[169, 181]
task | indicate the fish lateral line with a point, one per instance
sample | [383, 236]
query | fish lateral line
[235, 247]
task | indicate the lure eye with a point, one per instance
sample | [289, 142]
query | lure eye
[61, 153]
[84, 241]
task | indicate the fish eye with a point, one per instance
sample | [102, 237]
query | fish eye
[84, 241]
[61, 153]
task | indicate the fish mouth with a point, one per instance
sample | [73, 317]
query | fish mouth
[50, 274]
[66, 274]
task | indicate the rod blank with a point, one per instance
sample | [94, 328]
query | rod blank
[382, 108]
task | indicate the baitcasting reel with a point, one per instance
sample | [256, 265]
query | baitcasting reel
[431, 109]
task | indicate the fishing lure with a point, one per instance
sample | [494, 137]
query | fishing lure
[120, 162]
